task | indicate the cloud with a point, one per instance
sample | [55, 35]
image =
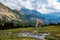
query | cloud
[43, 6]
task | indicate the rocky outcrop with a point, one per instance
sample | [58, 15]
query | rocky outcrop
[7, 14]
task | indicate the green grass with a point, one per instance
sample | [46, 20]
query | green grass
[17, 30]
[54, 30]
[15, 38]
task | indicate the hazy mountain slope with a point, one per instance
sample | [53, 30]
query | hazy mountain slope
[26, 19]
[46, 18]
[53, 17]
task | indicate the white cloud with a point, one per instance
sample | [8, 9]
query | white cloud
[43, 6]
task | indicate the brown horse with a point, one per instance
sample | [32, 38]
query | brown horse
[39, 23]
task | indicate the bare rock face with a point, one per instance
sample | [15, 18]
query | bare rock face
[7, 14]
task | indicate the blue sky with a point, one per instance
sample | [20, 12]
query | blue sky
[58, 0]
[42, 6]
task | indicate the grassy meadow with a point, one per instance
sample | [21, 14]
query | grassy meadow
[54, 30]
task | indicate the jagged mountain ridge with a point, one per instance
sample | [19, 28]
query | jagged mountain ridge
[7, 14]
[27, 16]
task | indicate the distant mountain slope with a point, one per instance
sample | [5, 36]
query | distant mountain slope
[53, 17]
[46, 18]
